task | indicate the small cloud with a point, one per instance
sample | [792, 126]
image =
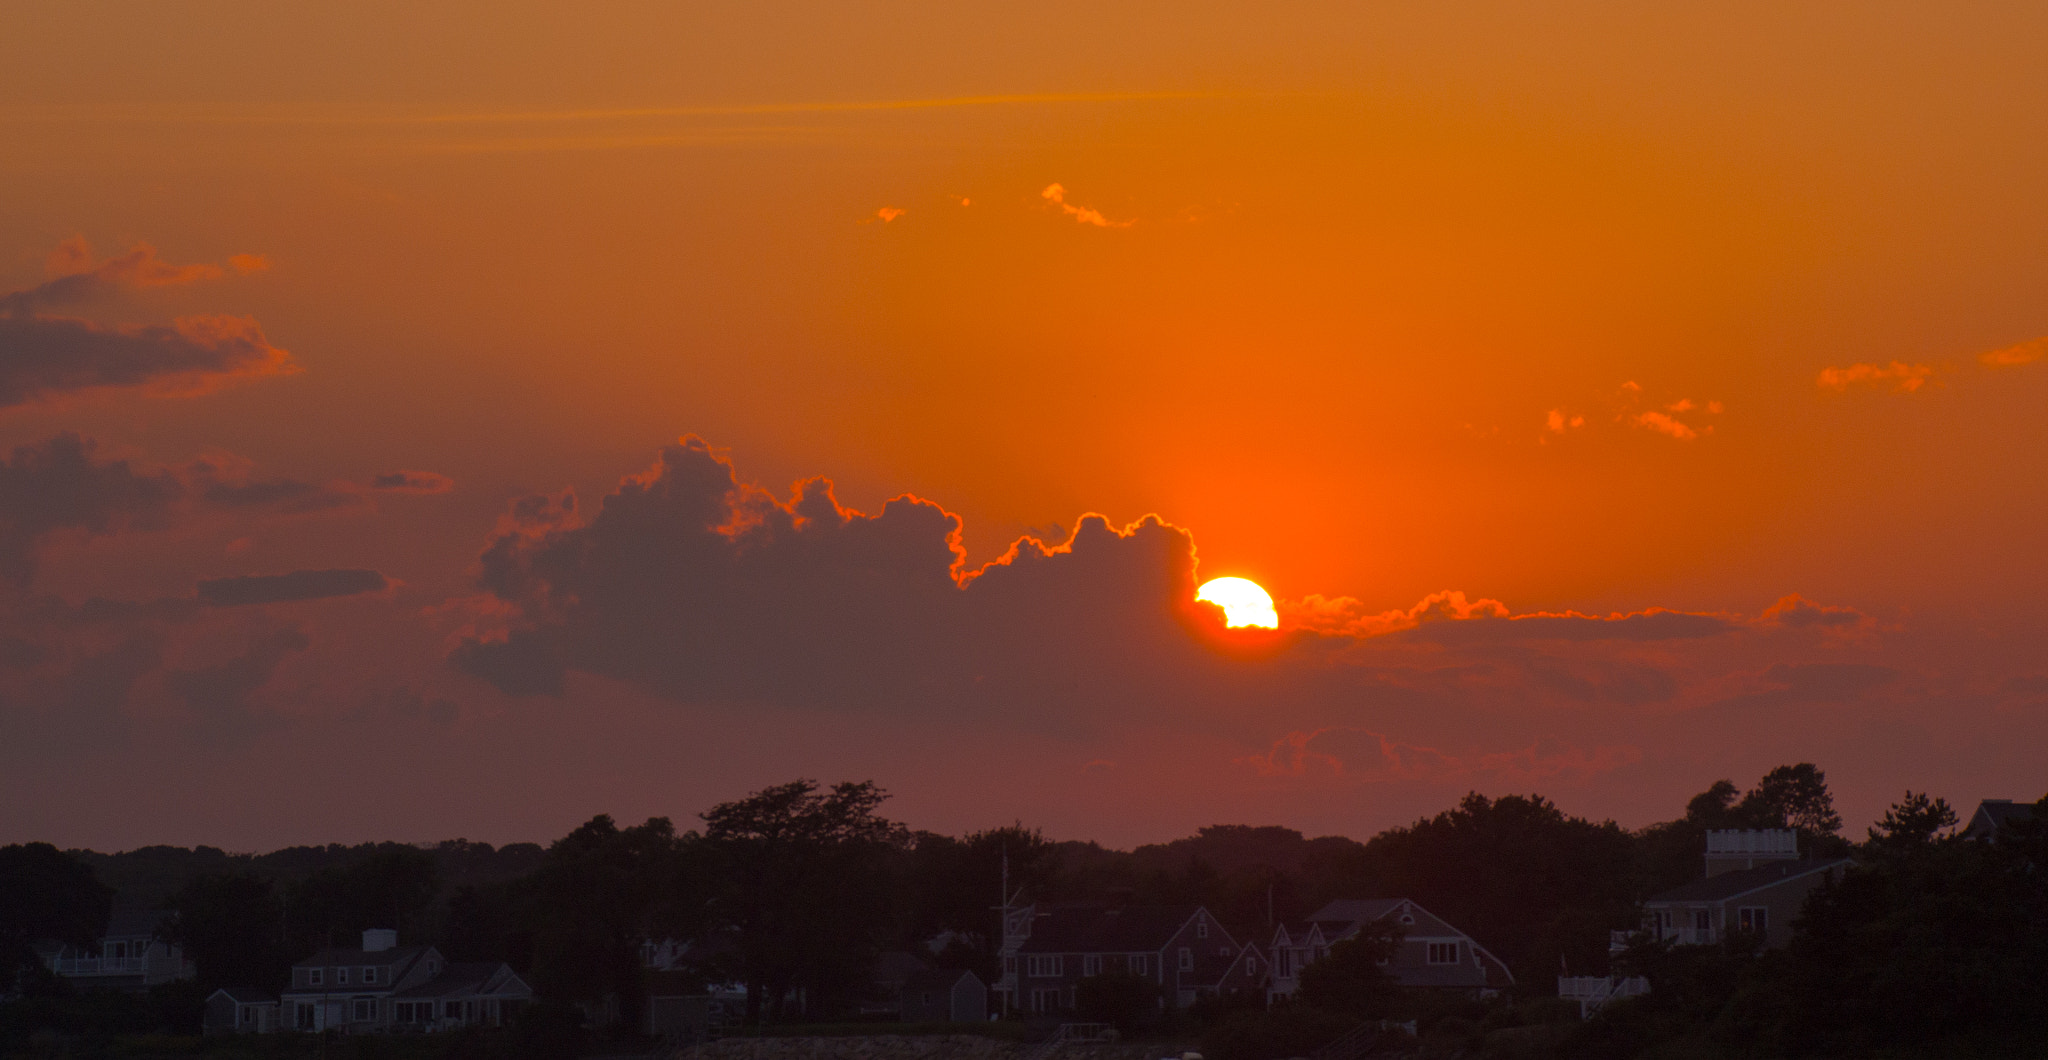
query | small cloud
[2024, 353]
[248, 263]
[1715, 408]
[1056, 194]
[1904, 378]
[412, 482]
[889, 213]
[288, 588]
[1632, 387]
[1664, 424]
[961, 199]
[1681, 405]
[1558, 423]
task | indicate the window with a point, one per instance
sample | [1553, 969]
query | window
[1187, 959]
[1045, 1000]
[1224, 950]
[453, 1010]
[1009, 966]
[1139, 965]
[1201, 927]
[1755, 919]
[304, 1016]
[118, 951]
[433, 967]
[365, 1010]
[1443, 953]
[1042, 967]
[1285, 967]
[341, 975]
[1251, 964]
[1091, 965]
[1702, 920]
[369, 975]
[314, 976]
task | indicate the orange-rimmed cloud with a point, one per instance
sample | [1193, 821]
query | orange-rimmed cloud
[1056, 194]
[1347, 616]
[1903, 378]
[44, 356]
[50, 356]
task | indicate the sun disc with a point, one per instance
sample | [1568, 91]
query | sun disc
[1242, 601]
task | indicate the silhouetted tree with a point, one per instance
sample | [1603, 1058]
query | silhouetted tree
[232, 927]
[803, 889]
[46, 894]
[1118, 998]
[1530, 883]
[1352, 978]
[392, 886]
[602, 891]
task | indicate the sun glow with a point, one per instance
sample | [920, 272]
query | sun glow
[1242, 601]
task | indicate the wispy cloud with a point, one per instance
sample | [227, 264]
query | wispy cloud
[2024, 353]
[1902, 377]
[1056, 194]
[1664, 423]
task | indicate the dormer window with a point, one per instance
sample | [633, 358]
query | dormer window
[315, 976]
[1201, 927]
[370, 975]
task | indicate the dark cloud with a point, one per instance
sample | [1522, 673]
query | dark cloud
[1652, 625]
[57, 485]
[412, 482]
[284, 588]
[699, 587]
[60, 485]
[43, 356]
[218, 698]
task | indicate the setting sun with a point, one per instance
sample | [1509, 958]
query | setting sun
[1242, 601]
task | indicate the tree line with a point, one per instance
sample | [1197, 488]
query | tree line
[794, 890]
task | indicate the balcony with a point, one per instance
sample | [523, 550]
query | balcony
[80, 966]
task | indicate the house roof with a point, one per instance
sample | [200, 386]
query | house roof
[243, 995]
[379, 958]
[1994, 814]
[1357, 910]
[1104, 929]
[1742, 881]
[133, 923]
[470, 977]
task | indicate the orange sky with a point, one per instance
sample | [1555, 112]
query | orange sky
[1561, 308]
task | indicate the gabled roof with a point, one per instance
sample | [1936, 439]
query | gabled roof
[1104, 929]
[352, 957]
[1743, 881]
[1994, 814]
[465, 979]
[243, 995]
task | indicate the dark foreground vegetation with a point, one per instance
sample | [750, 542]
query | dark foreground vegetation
[1930, 946]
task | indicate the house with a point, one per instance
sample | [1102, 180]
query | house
[387, 987]
[945, 995]
[235, 1010]
[1048, 949]
[132, 955]
[1993, 815]
[1432, 954]
[1756, 882]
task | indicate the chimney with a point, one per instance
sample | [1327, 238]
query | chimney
[1731, 849]
[376, 940]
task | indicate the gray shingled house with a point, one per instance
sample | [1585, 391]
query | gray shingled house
[1433, 954]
